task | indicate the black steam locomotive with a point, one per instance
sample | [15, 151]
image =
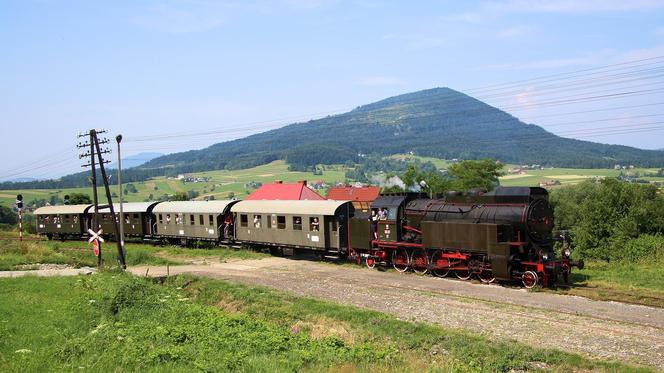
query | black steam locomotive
[501, 235]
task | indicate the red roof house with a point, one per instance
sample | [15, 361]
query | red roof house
[360, 196]
[285, 192]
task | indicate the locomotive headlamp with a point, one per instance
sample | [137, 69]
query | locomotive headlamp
[567, 253]
[545, 257]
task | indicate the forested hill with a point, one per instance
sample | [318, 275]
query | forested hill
[437, 122]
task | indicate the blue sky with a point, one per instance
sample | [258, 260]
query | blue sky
[162, 67]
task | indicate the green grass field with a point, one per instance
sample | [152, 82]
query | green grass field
[221, 183]
[117, 322]
[15, 254]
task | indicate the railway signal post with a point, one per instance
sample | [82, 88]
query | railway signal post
[19, 207]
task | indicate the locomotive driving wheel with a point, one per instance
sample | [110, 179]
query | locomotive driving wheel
[419, 261]
[370, 262]
[529, 279]
[440, 265]
[400, 260]
[462, 274]
[486, 275]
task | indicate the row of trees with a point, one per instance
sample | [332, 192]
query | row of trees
[460, 176]
[612, 220]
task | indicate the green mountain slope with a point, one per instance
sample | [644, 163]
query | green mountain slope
[438, 122]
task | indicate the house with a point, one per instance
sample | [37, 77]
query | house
[362, 196]
[285, 192]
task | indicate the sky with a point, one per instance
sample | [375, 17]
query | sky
[201, 72]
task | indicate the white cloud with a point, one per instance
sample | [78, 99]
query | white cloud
[380, 80]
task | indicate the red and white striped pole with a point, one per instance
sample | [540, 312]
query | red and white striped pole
[19, 207]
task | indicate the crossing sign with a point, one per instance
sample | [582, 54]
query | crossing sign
[95, 247]
[95, 236]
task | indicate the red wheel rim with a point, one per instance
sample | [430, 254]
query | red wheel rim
[400, 260]
[419, 262]
[440, 265]
[371, 262]
[529, 279]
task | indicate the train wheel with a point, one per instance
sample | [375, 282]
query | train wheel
[486, 276]
[400, 260]
[462, 274]
[529, 279]
[419, 262]
[370, 262]
[438, 261]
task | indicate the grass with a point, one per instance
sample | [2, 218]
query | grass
[640, 283]
[79, 253]
[117, 322]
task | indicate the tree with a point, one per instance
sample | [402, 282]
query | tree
[475, 174]
[79, 199]
[180, 196]
[7, 215]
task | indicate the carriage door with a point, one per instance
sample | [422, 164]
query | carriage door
[332, 236]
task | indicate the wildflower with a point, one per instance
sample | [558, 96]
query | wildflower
[22, 351]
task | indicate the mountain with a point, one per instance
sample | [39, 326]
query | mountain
[438, 122]
[136, 160]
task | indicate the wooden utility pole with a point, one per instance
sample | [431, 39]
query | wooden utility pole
[95, 149]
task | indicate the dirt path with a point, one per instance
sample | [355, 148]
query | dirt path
[49, 272]
[597, 329]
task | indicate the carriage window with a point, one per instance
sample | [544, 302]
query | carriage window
[161, 220]
[126, 219]
[40, 218]
[257, 221]
[168, 218]
[211, 219]
[334, 225]
[243, 220]
[281, 222]
[270, 222]
[192, 219]
[136, 220]
[201, 219]
[314, 224]
[297, 223]
[75, 219]
[179, 219]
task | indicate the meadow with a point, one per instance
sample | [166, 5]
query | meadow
[118, 322]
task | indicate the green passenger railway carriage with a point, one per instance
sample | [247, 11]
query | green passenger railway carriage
[321, 226]
[61, 222]
[186, 221]
[136, 218]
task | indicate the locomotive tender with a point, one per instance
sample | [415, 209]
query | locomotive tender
[503, 235]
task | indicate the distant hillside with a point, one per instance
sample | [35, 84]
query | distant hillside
[438, 122]
[136, 160]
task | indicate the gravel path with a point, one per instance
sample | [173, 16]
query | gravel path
[48, 270]
[607, 330]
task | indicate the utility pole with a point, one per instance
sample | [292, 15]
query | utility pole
[95, 149]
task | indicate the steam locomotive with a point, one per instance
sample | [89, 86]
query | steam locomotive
[503, 235]
[506, 235]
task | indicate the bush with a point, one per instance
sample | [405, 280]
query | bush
[644, 247]
[608, 218]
